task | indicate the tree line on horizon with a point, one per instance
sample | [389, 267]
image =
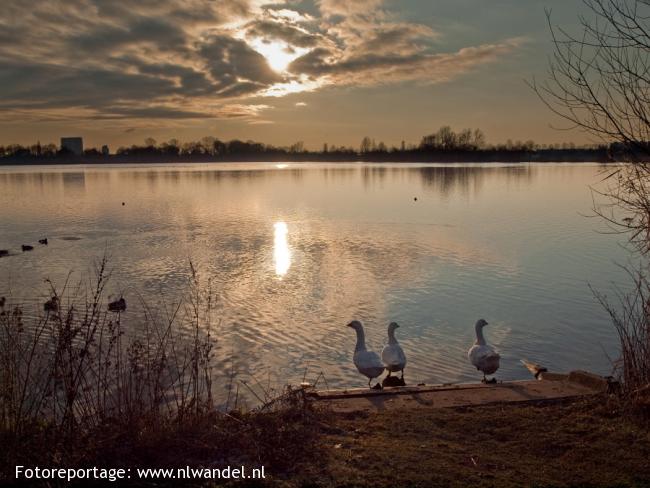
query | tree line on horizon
[444, 139]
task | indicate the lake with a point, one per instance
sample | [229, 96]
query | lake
[296, 251]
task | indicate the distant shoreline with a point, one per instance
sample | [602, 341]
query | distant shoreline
[479, 156]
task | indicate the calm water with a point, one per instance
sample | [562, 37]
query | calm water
[296, 251]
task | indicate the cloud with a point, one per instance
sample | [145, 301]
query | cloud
[301, 104]
[242, 111]
[286, 14]
[235, 66]
[190, 81]
[272, 29]
[195, 59]
[395, 38]
[371, 69]
[32, 85]
[106, 38]
[347, 8]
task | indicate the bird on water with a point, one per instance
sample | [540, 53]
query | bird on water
[117, 305]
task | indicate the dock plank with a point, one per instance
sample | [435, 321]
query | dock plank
[445, 396]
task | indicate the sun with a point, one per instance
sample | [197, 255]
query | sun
[278, 54]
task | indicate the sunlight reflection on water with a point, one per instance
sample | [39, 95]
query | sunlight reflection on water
[296, 251]
[281, 252]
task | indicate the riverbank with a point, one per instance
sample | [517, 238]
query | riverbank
[573, 442]
[414, 156]
[586, 441]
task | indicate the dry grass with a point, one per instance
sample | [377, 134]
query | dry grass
[631, 320]
[588, 442]
[77, 390]
[278, 440]
[73, 365]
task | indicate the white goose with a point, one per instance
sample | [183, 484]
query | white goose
[367, 362]
[482, 355]
[392, 355]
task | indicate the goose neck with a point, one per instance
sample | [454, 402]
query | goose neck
[391, 336]
[361, 340]
[480, 340]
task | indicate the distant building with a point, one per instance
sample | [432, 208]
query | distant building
[73, 144]
[105, 151]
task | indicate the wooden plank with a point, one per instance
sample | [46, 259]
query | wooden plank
[457, 395]
[400, 390]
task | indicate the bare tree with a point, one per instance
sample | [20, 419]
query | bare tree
[599, 81]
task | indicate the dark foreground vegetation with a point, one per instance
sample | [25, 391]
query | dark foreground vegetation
[78, 390]
[588, 442]
[445, 145]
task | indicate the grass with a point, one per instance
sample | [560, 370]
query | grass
[590, 442]
[587, 442]
[277, 439]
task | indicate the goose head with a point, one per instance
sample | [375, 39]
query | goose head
[355, 324]
[392, 326]
[481, 323]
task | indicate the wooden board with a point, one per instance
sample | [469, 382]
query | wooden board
[444, 396]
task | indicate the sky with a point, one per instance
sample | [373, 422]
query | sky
[319, 71]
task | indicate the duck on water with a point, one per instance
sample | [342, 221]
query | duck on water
[117, 305]
[52, 305]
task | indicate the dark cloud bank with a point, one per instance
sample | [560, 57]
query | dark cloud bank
[183, 59]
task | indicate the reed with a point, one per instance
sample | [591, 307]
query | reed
[631, 320]
[77, 388]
